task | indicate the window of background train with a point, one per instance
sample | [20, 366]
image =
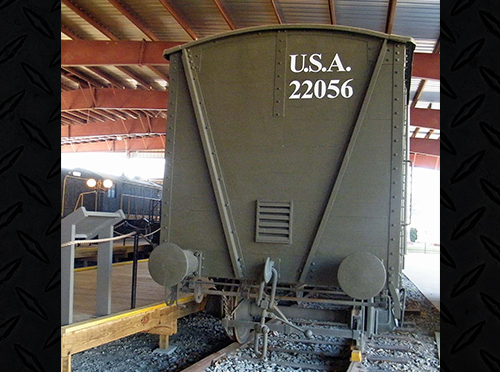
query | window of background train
[112, 192]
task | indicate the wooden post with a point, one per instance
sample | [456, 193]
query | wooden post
[163, 342]
[66, 363]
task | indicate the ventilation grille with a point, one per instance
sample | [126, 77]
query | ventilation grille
[273, 222]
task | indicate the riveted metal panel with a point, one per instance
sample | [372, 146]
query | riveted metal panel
[329, 130]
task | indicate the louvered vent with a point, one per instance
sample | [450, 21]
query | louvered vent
[274, 222]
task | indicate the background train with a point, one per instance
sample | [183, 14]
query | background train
[286, 177]
[140, 200]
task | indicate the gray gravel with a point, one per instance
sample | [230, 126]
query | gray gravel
[200, 335]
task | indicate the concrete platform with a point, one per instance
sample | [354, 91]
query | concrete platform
[423, 270]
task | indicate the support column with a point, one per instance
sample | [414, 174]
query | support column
[67, 274]
[104, 266]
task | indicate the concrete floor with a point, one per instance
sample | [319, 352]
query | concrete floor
[423, 270]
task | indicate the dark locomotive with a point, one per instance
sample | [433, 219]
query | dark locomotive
[286, 178]
[140, 200]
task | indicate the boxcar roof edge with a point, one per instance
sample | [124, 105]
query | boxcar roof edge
[247, 30]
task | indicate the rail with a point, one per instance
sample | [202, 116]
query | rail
[138, 207]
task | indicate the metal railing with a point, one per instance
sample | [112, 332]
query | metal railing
[80, 200]
[137, 207]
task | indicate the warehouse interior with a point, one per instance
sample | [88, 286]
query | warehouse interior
[114, 111]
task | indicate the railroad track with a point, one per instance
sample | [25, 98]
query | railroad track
[307, 355]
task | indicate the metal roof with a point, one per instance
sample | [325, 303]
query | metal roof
[175, 22]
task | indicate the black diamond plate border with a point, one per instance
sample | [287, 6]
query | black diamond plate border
[470, 185]
[30, 192]
[30, 185]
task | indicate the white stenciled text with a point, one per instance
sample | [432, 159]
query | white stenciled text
[319, 88]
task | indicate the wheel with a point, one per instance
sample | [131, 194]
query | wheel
[242, 312]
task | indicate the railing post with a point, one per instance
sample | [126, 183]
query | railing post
[134, 271]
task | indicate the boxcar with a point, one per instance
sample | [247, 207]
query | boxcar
[286, 174]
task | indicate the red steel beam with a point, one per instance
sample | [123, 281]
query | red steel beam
[276, 12]
[126, 53]
[180, 20]
[224, 15]
[137, 22]
[158, 143]
[426, 161]
[426, 66]
[331, 8]
[89, 19]
[118, 127]
[116, 53]
[425, 118]
[84, 99]
[137, 144]
[425, 146]
[391, 14]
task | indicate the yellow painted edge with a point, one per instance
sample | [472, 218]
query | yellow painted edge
[94, 322]
[356, 356]
[115, 264]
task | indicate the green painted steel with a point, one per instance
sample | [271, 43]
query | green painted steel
[270, 117]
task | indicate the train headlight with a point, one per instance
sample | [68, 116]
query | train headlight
[107, 184]
[91, 182]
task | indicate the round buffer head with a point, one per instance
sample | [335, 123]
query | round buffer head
[168, 264]
[361, 275]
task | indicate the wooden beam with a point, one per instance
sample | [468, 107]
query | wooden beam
[426, 66]
[107, 98]
[136, 144]
[180, 20]
[425, 146]
[158, 125]
[425, 118]
[95, 332]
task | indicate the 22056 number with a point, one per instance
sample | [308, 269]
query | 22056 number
[320, 89]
